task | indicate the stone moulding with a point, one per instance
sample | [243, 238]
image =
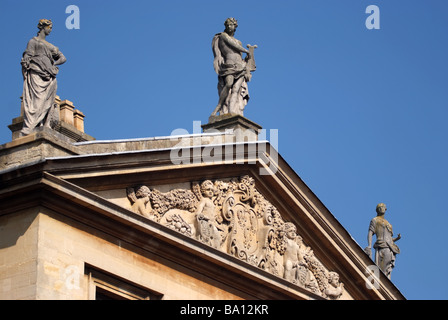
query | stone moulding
[232, 216]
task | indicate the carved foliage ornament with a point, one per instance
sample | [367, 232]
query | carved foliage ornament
[232, 216]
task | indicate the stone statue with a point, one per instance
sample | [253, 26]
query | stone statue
[39, 69]
[385, 247]
[233, 71]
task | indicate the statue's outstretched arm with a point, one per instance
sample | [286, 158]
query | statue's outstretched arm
[233, 44]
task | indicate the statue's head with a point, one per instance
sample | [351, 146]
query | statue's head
[333, 278]
[46, 25]
[381, 209]
[231, 23]
[290, 230]
[142, 192]
[208, 189]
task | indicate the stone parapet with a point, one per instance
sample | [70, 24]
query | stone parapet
[41, 144]
[242, 129]
[48, 143]
[154, 143]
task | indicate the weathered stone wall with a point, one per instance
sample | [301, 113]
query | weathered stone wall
[18, 255]
[45, 256]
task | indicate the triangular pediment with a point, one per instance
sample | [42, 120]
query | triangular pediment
[269, 228]
[231, 215]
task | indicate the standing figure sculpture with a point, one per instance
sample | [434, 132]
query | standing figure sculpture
[39, 69]
[233, 71]
[208, 231]
[292, 258]
[385, 247]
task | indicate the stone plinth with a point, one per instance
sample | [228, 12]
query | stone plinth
[41, 144]
[16, 126]
[71, 122]
[242, 129]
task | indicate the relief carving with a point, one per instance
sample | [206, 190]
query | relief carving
[233, 217]
[209, 229]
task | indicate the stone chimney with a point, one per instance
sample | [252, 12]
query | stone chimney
[78, 120]
[66, 109]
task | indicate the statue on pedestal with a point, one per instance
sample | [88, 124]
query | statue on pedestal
[233, 71]
[39, 69]
[385, 247]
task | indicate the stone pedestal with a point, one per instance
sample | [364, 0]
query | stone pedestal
[40, 144]
[243, 129]
[71, 122]
[16, 127]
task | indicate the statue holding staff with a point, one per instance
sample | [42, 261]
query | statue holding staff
[39, 69]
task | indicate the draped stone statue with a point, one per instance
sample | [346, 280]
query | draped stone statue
[39, 69]
[385, 247]
[233, 71]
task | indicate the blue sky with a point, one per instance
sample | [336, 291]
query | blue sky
[361, 114]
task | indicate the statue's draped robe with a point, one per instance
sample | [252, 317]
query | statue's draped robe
[385, 247]
[238, 71]
[39, 85]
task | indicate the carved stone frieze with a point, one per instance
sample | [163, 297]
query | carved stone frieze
[234, 217]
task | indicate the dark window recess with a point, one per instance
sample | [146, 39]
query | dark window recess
[105, 286]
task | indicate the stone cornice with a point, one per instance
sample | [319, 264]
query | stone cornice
[87, 208]
[72, 177]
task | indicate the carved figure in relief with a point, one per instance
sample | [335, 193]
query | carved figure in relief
[140, 201]
[207, 229]
[296, 269]
[385, 247]
[335, 288]
[292, 256]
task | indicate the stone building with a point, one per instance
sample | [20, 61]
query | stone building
[216, 215]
